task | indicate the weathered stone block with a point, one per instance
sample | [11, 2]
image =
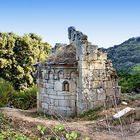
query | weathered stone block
[63, 103]
[103, 74]
[56, 103]
[92, 67]
[50, 91]
[107, 84]
[83, 64]
[72, 103]
[70, 97]
[73, 74]
[52, 102]
[110, 91]
[95, 84]
[58, 86]
[45, 99]
[101, 96]
[49, 85]
[99, 66]
[55, 76]
[91, 105]
[61, 97]
[73, 86]
[85, 84]
[45, 105]
[96, 75]
[92, 57]
[42, 90]
[103, 56]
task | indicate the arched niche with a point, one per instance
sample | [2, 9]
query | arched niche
[66, 86]
[73, 75]
[50, 75]
[60, 74]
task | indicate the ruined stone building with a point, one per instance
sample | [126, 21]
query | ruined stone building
[76, 77]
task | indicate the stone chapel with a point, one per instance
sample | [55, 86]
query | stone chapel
[75, 77]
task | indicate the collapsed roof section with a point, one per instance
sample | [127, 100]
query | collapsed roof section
[62, 54]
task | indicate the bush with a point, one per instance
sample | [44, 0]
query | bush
[19, 99]
[129, 82]
[24, 99]
[6, 91]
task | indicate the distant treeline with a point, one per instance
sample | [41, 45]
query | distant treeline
[126, 60]
[126, 55]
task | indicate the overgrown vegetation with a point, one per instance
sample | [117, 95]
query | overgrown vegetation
[129, 82]
[17, 54]
[6, 91]
[24, 99]
[58, 132]
[20, 99]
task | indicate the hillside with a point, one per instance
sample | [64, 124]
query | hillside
[126, 55]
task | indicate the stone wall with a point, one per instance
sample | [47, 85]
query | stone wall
[51, 97]
[97, 81]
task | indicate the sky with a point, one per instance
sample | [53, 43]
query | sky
[106, 22]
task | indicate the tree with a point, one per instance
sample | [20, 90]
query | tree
[17, 54]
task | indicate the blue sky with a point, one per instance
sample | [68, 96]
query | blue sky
[106, 22]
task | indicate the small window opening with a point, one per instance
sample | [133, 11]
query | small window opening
[65, 86]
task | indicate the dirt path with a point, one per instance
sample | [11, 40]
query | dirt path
[25, 122]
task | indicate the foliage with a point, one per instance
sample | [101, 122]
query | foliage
[20, 99]
[24, 99]
[58, 133]
[6, 91]
[129, 82]
[10, 135]
[135, 69]
[41, 129]
[126, 55]
[126, 61]
[59, 127]
[44, 133]
[71, 136]
[17, 54]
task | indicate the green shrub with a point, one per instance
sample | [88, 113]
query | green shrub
[6, 91]
[59, 132]
[24, 99]
[129, 82]
[19, 99]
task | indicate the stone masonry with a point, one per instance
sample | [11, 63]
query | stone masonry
[75, 78]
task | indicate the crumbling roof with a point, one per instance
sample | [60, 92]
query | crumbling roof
[63, 55]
